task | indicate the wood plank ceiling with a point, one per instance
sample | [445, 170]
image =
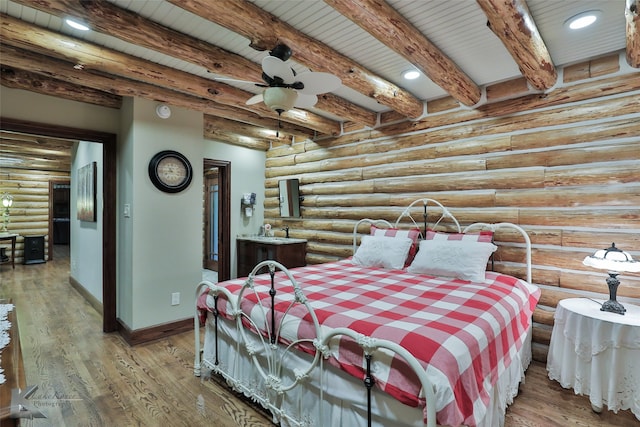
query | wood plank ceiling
[171, 51]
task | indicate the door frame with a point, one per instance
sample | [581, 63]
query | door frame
[109, 235]
[224, 185]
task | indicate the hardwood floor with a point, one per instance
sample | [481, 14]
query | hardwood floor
[88, 378]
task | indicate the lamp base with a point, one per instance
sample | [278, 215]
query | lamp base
[613, 307]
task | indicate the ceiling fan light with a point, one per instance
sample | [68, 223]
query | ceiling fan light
[280, 98]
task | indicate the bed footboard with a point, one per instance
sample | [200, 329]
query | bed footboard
[267, 338]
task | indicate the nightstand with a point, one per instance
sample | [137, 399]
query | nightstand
[597, 353]
[289, 252]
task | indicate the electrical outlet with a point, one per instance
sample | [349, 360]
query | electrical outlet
[175, 298]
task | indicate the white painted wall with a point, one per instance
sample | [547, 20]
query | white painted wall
[124, 226]
[86, 236]
[166, 238]
[247, 176]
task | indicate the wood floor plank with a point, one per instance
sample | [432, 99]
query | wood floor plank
[89, 378]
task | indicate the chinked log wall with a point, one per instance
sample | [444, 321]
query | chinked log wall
[565, 166]
[29, 215]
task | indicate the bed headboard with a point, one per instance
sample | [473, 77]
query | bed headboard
[422, 206]
[411, 210]
[417, 207]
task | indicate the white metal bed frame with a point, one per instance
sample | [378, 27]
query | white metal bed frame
[272, 373]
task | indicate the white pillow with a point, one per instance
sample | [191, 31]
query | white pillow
[382, 251]
[466, 260]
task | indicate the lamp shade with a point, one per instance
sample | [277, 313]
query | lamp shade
[7, 200]
[612, 259]
[280, 99]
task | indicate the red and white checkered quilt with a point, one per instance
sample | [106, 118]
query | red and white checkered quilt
[465, 334]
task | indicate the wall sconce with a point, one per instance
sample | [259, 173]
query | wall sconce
[7, 202]
[616, 261]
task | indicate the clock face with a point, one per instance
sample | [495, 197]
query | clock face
[170, 171]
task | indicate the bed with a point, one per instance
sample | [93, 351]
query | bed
[411, 330]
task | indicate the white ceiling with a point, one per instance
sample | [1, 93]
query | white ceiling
[457, 27]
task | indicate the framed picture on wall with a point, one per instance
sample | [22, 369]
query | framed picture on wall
[86, 204]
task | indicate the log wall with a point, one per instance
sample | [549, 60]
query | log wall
[29, 215]
[565, 167]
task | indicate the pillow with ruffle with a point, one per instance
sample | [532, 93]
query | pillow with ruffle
[382, 251]
[411, 233]
[460, 259]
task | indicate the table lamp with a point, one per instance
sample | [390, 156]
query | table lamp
[7, 201]
[616, 261]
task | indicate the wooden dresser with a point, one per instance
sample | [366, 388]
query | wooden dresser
[289, 252]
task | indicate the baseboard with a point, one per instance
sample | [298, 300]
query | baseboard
[137, 336]
[93, 301]
[152, 333]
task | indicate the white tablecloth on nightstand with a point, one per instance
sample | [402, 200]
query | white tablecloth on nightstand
[597, 353]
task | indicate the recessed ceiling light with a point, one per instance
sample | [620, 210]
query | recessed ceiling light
[583, 19]
[411, 74]
[77, 25]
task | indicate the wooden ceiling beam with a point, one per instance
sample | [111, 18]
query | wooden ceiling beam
[392, 29]
[512, 22]
[20, 79]
[632, 16]
[87, 56]
[239, 115]
[237, 133]
[121, 23]
[55, 69]
[265, 31]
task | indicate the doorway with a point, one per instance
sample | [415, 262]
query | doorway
[108, 141]
[59, 214]
[216, 247]
[212, 223]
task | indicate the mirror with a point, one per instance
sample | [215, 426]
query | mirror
[289, 197]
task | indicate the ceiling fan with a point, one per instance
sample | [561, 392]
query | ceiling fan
[284, 89]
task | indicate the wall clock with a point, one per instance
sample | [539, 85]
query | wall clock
[170, 171]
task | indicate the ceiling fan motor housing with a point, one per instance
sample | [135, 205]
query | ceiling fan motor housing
[281, 51]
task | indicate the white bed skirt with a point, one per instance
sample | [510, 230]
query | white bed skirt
[343, 401]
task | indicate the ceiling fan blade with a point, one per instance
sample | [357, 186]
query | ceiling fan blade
[275, 67]
[305, 100]
[224, 79]
[315, 83]
[255, 99]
